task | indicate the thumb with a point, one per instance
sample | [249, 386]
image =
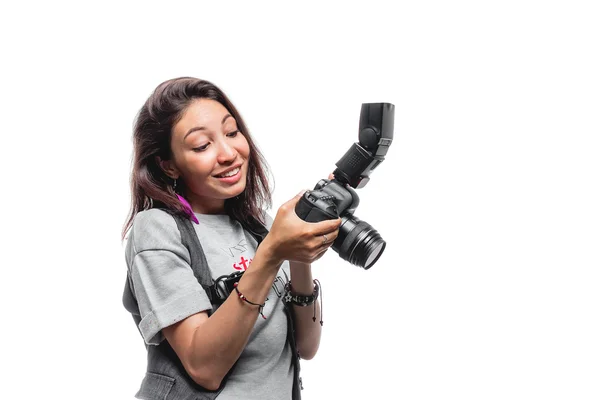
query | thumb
[292, 202]
[297, 197]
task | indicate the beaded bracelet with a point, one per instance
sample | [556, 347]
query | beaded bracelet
[304, 300]
[244, 298]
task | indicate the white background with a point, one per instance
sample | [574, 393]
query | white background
[488, 199]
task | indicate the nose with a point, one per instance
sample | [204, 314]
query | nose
[227, 153]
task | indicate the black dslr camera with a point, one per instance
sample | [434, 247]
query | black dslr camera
[358, 242]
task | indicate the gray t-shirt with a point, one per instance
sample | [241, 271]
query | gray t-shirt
[167, 292]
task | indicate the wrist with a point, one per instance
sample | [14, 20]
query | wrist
[301, 275]
[267, 251]
[300, 299]
[304, 300]
[299, 264]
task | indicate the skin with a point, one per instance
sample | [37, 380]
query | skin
[209, 346]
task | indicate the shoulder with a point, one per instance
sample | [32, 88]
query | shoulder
[155, 229]
[152, 217]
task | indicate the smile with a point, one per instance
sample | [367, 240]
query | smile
[230, 173]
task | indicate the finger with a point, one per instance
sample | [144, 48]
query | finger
[333, 235]
[325, 227]
[331, 176]
[320, 242]
[324, 241]
[298, 196]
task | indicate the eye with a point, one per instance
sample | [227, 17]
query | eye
[201, 148]
[233, 134]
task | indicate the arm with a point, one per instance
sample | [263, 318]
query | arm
[209, 346]
[308, 332]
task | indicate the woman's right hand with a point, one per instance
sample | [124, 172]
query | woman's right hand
[291, 238]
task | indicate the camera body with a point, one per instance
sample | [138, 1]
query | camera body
[357, 241]
[328, 200]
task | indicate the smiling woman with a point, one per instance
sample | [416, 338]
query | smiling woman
[195, 290]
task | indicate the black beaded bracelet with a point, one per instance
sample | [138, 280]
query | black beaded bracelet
[300, 299]
[304, 300]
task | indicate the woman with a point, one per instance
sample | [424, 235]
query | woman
[194, 159]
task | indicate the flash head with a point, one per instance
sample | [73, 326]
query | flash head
[375, 134]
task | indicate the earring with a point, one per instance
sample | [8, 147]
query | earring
[174, 184]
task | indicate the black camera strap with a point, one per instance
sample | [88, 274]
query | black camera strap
[198, 261]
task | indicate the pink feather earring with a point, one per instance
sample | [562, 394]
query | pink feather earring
[186, 205]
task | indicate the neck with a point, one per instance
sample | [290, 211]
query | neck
[203, 205]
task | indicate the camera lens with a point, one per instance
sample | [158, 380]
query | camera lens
[358, 242]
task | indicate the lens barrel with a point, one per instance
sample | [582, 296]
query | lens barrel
[358, 242]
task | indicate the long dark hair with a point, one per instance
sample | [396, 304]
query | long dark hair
[151, 187]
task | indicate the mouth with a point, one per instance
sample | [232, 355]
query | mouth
[230, 172]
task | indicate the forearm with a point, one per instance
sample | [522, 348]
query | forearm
[308, 331]
[218, 342]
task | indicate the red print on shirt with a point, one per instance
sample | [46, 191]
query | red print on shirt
[242, 265]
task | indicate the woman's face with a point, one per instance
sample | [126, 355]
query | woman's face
[210, 155]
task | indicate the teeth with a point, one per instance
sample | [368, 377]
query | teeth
[230, 173]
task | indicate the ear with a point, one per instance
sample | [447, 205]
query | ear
[168, 166]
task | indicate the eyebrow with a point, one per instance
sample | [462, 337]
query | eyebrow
[201, 128]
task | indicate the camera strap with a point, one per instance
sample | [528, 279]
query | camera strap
[198, 261]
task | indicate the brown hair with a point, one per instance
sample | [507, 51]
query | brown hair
[151, 187]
